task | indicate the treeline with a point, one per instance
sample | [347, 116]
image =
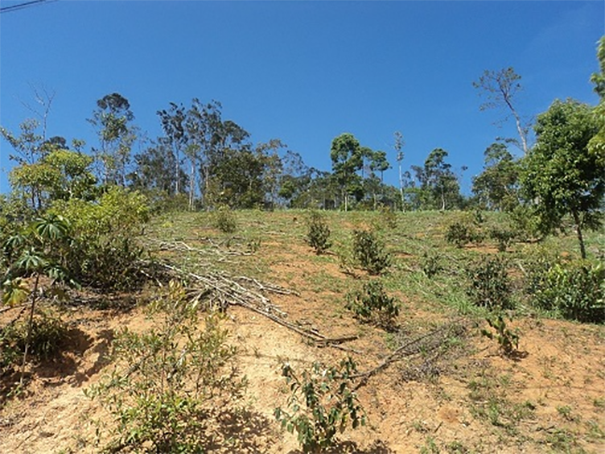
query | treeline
[204, 161]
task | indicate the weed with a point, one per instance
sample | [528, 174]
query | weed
[430, 447]
[321, 404]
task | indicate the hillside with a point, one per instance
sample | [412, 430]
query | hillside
[439, 385]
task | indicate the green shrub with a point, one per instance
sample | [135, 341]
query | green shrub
[372, 304]
[502, 236]
[318, 233]
[431, 264]
[48, 338]
[369, 252]
[508, 340]
[104, 252]
[575, 290]
[321, 404]
[462, 232]
[169, 382]
[488, 283]
[224, 220]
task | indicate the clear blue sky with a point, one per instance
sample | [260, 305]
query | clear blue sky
[303, 72]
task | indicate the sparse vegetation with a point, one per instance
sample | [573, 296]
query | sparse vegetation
[321, 404]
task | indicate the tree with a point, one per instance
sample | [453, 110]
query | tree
[399, 143]
[116, 135]
[347, 160]
[439, 186]
[560, 174]
[596, 146]
[500, 88]
[155, 167]
[172, 121]
[497, 186]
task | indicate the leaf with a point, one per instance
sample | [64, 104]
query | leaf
[14, 292]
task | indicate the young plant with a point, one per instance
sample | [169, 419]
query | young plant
[489, 284]
[373, 305]
[33, 253]
[169, 381]
[224, 220]
[321, 404]
[318, 233]
[507, 340]
[370, 252]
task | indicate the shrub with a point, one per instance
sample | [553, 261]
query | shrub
[104, 251]
[507, 340]
[430, 264]
[369, 252]
[502, 236]
[169, 381]
[224, 220]
[372, 304]
[575, 290]
[321, 404]
[462, 232]
[318, 233]
[489, 284]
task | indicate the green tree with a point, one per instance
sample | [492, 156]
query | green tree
[560, 174]
[439, 187]
[112, 119]
[497, 186]
[596, 146]
[347, 160]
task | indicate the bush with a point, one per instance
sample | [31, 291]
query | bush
[502, 236]
[224, 220]
[168, 382]
[321, 404]
[431, 264]
[373, 305]
[369, 252]
[575, 290]
[508, 340]
[462, 232]
[488, 283]
[48, 338]
[318, 233]
[104, 252]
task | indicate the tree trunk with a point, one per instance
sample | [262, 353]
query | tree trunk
[576, 218]
[30, 325]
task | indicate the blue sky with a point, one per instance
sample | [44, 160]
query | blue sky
[303, 72]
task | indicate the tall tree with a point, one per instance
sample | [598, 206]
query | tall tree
[501, 87]
[497, 186]
[173, 124]
[560, 174]
[399, 143]
[347, 160]
[112, 119]
[439, 187]
[597, 144]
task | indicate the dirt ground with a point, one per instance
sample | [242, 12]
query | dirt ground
[470, 399]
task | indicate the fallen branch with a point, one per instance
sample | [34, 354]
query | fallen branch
[410, 348]
[224, 291]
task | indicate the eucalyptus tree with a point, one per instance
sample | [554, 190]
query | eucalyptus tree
[561, 175]
[439, 187]
[173, 120]
[112, 120]
[399, 143]
[501, 88]
[347, 160]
